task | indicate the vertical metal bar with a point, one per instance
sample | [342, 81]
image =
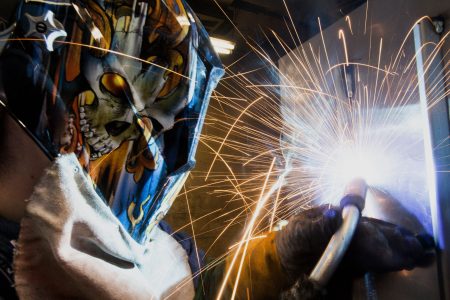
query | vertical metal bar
[437, 147]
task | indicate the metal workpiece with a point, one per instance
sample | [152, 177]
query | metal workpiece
[435, 116]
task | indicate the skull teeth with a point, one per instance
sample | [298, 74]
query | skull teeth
[97, 153]
[93, 141]
[100, 144]
[85, 128]
[106, 150]
[90, 134]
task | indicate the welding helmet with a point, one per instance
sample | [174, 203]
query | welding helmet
[122, 84]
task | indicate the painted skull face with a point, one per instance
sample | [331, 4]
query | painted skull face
[122, 84]
[129, 83]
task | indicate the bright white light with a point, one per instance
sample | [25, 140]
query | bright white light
[222, 51]
[350, 160]
[369, 163]
[222, 46]
[222, 43]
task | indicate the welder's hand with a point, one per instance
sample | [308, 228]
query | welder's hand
[301, 243]
[377, 246]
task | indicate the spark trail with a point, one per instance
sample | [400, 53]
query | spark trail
[276, 147]
[319, 137]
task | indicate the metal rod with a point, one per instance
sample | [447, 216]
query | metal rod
[337, 246]
[340, 241]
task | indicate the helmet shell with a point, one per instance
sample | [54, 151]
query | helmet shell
[124, 85]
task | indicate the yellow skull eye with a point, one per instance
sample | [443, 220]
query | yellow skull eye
[115, 84]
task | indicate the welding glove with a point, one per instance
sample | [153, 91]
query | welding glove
[377, 246]
[269, 264]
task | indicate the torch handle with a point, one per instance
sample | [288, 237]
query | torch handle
[337, 246]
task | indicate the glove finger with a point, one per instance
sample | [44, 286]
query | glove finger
[304, 239]
[428, 244]
[426, 240]
[401, 240]
[314, 227]
[382, 246]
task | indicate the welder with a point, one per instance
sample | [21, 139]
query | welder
[102, 104]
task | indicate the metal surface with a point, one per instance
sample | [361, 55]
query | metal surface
[437, 132]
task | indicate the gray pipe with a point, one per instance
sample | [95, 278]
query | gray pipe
[338, 245]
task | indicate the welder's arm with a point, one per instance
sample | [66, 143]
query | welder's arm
[286, 257]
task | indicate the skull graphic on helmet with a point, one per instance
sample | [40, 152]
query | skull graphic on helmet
[145, 74]
[122, 84]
